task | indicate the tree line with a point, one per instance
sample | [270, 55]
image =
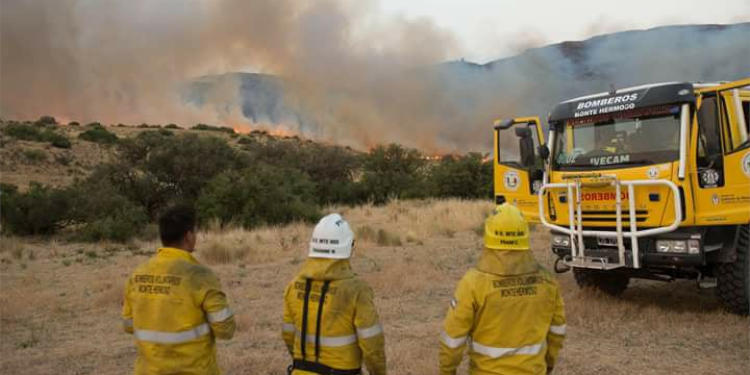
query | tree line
[261, 181]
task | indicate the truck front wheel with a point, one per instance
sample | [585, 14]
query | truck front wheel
[733, 278]
[612, 283]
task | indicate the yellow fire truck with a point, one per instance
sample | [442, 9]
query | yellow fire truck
[642, 182]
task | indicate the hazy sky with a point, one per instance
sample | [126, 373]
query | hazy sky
[490, 29]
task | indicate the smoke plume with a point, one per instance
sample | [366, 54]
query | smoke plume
[128, 61]
[334, 70]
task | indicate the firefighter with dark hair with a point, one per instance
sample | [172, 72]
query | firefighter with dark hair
[174, 306]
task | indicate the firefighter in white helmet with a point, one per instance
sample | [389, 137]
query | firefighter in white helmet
[507, 310]
[330, 323]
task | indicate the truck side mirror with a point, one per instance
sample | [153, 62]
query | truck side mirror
[543, 151]
[504, 124]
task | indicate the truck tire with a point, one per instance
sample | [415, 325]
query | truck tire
[611, 282]
[733, 278]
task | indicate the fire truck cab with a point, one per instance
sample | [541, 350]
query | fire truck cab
[649, 182]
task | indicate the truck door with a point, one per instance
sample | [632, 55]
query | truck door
[723, 158]
[519, 166]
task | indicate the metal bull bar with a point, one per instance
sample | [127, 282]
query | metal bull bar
[575, 226]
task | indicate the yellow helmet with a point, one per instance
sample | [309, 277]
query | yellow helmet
[506, 229]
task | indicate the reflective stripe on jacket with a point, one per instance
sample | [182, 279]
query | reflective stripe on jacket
[175, 308]
[350, 335]
[509, 313]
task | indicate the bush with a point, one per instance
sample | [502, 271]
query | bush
[171, 126]
[186, 163]
[23, 132]
[207, 127]
[258, 196]
[35, 156]
[98, 134]
[468, 177]
[332, 168]
[393, 172]
[74, 123]
[126, 222]
[57, 140]
[104, 213]
[46, 120]
[41, 210]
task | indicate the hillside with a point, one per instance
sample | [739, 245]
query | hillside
[25, 161]
[526, 84]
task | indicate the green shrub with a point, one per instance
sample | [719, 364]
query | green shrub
[24, 132]
[468, 176]
[171, 126]
[98, 134]
[28, 132]
[57, 140]
[386, 238]
[246, 141]
[103, 213]
[46, 120]
[41, 210]
[187, 162]
[332, 168]
[393, 172]
[35, 156]
[74, 123]
[258, 196]
[121, 225]
[63, 159]
[207, 127]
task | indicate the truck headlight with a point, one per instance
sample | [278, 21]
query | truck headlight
[694, 246]
[678, 246]
[560, 240]
[664, 246]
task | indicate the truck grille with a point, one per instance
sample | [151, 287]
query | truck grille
[611, 216]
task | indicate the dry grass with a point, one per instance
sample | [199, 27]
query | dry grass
[58, 318]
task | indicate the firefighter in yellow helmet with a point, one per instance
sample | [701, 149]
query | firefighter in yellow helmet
[174, 306]
[330, 323]
[507, 310]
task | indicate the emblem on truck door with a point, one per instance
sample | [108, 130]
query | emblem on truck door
[710, 177]
[511, 180]
[746, 164]
[653, 173]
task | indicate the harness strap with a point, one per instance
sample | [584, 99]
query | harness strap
[321, 369]
[303, 341]
[323, 292]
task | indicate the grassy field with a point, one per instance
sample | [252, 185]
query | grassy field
[60, 302]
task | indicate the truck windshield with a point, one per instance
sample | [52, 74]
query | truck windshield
[634, 138]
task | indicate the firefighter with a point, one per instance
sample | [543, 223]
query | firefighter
[330, 322]
[174, 306]
[507, 310]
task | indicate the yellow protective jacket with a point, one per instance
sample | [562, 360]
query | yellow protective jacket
[509, 312]
[175, 308]
[349, 332]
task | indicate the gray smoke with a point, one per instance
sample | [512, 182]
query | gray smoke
[335, 71]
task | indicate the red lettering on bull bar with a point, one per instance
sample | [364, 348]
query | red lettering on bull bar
[602, 196]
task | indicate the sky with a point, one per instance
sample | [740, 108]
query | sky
[488, 29]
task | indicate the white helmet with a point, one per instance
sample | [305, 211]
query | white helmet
[332, 238]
